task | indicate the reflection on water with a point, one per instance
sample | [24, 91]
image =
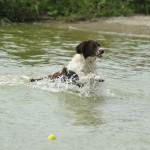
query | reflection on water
[115, 112]
[84, 111]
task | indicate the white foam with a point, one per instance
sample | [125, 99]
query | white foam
[90, 89]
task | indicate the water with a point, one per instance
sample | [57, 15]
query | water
[114, 117]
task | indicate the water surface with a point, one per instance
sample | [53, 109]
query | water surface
[114, 117]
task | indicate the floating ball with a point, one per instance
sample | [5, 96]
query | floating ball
[52, 137]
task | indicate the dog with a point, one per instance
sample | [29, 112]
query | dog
[81, 68]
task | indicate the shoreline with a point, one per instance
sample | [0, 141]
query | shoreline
[133, 20]
[139, 25]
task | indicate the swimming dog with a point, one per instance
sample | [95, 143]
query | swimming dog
[82, 66]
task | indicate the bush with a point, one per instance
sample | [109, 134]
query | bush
[26, 10]
[22, 10]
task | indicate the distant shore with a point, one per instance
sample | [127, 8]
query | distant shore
[134, 20]
[130, 25]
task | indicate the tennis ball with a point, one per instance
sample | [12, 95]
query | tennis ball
[52, 137]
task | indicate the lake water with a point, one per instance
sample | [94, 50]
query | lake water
[113, 116]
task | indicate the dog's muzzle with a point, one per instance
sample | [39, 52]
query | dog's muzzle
[99, 52]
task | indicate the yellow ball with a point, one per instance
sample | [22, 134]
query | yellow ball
[52, 137]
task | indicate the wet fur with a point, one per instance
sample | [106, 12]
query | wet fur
[84, 62]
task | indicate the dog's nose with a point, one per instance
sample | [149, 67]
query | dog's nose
[101, 50]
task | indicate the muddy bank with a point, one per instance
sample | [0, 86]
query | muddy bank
[134, 20]
[139, 25]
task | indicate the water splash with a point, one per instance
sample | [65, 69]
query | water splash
[90, 89]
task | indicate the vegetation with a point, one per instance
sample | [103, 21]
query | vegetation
[30, 10]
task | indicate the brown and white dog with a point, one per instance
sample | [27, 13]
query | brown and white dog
[82, 66]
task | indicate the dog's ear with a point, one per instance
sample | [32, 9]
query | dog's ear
[79, 48]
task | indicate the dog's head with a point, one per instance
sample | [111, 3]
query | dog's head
[90, 48]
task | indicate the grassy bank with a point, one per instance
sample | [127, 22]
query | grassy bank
[71, 10]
